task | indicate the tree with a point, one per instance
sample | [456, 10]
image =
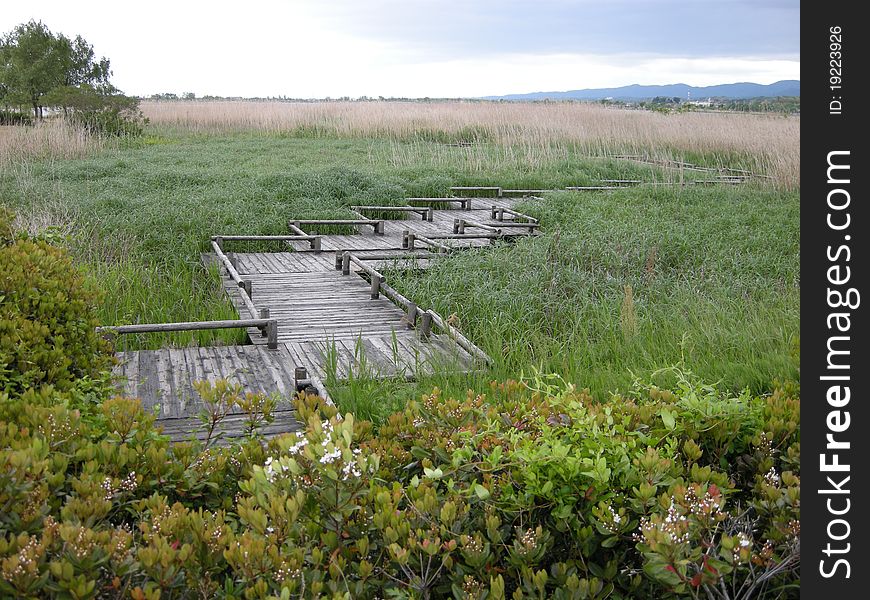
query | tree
[39, 68]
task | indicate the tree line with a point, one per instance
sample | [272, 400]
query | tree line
[41, 69]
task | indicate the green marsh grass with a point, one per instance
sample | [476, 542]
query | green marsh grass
[713, 272]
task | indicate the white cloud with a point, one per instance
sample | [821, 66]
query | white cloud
[294, 48]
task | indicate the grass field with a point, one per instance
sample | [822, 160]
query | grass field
[618, 286]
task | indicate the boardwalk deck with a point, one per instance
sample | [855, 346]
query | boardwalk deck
[163, 379]
[328, 322]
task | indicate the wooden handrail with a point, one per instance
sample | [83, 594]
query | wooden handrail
[242, 283]
[269, 326]
[264, 238]
[430, 242]
[498, 213]
[377, 224]
[463, 341]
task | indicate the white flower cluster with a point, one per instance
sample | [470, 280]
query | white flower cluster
[299, 445]
[273, 469]
[128, 484]
[615, 516]
[772, 477]
[743, 541]
[673, 526]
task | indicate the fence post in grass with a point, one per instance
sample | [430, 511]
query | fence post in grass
[411, 315]
[425, 325]
[220, 242]
[376, 287]
[264, 314]
[338, 259]
[245, 284]
[345, 263]
[430, 214]
[233, 260]
[272, 334]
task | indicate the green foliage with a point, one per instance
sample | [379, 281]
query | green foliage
[99, 111]
[537, 492]
[34, 61]
[39, 68]
[47, 334]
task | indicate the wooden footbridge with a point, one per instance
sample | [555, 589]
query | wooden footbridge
[323, 310]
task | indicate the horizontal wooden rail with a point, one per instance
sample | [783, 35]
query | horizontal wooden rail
[524, 192]
[498, 213]
[300, 236]
[593, 188]
[465, 236]
[477, 188]
[377, 224]
[424, 212]
[464, 202]
[264, 238]
[411, 239]
[268, 326]
[459, 226]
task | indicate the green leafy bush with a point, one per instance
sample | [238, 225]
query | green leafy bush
[538, 491]
[47, 319]
[529, 494]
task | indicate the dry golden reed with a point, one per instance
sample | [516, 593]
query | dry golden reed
[526, 131]
[49, 139]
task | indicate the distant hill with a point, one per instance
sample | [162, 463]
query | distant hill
[734, 91]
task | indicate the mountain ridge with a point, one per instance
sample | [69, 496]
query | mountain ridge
[733, 91]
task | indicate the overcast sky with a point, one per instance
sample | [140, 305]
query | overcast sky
[418, 48]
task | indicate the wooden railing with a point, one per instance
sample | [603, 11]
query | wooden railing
[425, 212]
[428, 318]
[377, 224]
[268, 327]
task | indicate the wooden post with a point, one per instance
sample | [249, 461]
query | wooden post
[455, 225]
[494, 212]
[245, 284]
[297, 225]
[345, 264]
[315, 243]
[426, 325]
[338, 259]
[467, 204]
[264, 314]
[461, 227]
[430, 215]
[376, 287]
[411, 238]
[379, 228]
[405, 238]
[220, 242]
[300, 374]
[272, 334]
[501, 215]
[411, 315]
[233, 260]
